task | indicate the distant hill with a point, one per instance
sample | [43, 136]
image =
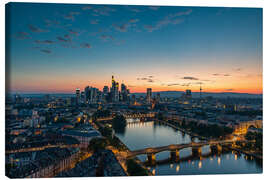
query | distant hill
[174, 94]
[204, 94]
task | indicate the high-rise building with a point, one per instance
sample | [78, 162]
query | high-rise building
[149, 95]
[83, 96]
[87, 94]
[188, 94]
[158, 98]
[115, 90]
[78, 95]
[105, 90]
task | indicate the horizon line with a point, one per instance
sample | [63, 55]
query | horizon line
[131, 93]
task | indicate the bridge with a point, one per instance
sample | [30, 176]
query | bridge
[139, 115]
[129, 116]
[215, 146]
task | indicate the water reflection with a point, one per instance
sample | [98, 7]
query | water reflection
[148, 134]
[218, 160]
[177, 168]
[200, 164]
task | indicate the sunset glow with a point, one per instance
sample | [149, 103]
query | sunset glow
[56, 49]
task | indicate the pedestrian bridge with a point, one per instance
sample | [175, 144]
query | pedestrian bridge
[129, 116]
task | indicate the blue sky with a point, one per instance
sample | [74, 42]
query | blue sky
[58, 47]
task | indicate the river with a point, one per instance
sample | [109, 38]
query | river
[138, 135]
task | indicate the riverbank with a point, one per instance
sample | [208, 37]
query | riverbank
[120, 150]
[204, 138]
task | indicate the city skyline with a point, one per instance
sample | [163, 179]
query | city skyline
[163, 48]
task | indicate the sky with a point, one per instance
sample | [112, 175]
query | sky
[56, 48]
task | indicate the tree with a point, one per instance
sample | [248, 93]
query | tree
[119, 124]
[134, 169]
[106, 131]
[97, 144]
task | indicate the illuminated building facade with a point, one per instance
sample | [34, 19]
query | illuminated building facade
[149, 95]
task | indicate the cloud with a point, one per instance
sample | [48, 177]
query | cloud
[238, 69]
[134, 20]
[22, 35]
[186, 84]
[136, 10]
[190, 78]
[46, 51]
[36, 29]
[44, 42]
[120, 42]
[85, 45]
[154, 8]
[51, 22]
[217, 74]
[148, 79]
[228, 89]
[94, 21]
[71, 15]
[170, 19]
[73, 32]
[103, 11]
[122, 27]
[106, 37]
[87, 7]
[173, 84]
[65, 39]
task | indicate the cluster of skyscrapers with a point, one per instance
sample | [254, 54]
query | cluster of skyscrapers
[112, 94]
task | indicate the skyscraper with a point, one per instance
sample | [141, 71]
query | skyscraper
[105, 90]
[149, 95]
[158, 98]
[87, 94]
[115, 90]
[78, 96]
[188, 94]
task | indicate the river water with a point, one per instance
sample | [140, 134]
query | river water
[138, 135]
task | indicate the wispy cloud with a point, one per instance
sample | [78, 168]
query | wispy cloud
[65, 39]
[125, 26]
[87, 7]
[173, 19]
[134, 20]
[73, 32]
[106, 37]
[122, 27]
[147, 79]
[190, 78]
[47, 51]
[36, 29]
[218, 74]
[71, 15]
[85, 45]
[228, 89]
[186, 84]
[154, 8]
[238, 69]
[103, 11]
[94, 21]
[44, 42]
[136, 10]
[173, 84]
[22, 35]
[49, 22]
